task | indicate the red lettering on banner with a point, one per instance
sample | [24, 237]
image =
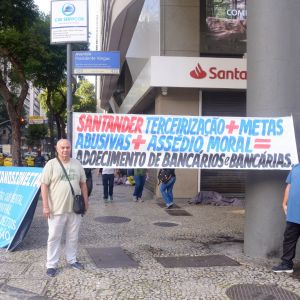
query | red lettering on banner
[139, 124]
[95, 124]
[110, 123]
[81, 123]
[231, 126]
[138, 141]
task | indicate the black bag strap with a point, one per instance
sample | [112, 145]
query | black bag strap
[62, 166]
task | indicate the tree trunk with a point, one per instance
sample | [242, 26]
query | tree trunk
[16, 142]
[58, 128]
[14, 106]
[14, 117]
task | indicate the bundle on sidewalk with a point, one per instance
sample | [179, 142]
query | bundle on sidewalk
[214, 198]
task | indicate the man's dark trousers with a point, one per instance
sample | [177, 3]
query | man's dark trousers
[291, 236]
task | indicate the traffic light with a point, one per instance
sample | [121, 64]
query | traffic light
[22, 122]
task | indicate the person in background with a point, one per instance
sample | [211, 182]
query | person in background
[166, 187]
[291, 207]
[39, 160]
[119, 177]
[140, 176]
[108, 175]
[89, 180]
[58, 205]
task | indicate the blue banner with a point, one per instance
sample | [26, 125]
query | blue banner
[19, 190]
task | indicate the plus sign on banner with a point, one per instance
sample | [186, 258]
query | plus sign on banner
[162, 141]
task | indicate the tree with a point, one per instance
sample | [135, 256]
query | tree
[83, 100]
[18, 45]
[85, 97]
[3, 112]
[35, 134]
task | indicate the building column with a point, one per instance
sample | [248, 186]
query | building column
[273, 90]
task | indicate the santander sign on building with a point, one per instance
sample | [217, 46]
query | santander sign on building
[198, 72]
[214, 73]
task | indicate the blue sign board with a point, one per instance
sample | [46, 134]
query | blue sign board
[96, 62]
[19, 187]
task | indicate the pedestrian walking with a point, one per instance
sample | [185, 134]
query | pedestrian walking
[58, 205]
[140, 176]
[291, 208]
[108, 176]
[167, 179]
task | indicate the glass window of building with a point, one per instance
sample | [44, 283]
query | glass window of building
[223, 28]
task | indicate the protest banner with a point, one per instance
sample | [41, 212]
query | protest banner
[19, 192]
[164, 141]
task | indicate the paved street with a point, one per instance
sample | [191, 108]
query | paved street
[133, 257]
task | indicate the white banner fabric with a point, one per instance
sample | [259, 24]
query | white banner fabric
[164, 141]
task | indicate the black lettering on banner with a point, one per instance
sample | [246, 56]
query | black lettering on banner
[280, 160]
[166, 159]
[154, 159]
[79, 156]
[288, 160]
[200, 160]
[86, 157]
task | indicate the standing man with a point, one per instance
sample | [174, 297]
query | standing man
[291, 207]
[108, 178]
[58, 205]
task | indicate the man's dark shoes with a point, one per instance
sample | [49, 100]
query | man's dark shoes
[283, 268]
[51, 272]
[77, 266]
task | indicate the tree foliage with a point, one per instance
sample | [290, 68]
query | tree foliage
[18, 14]
[27, 55]
[83, 100]
[35, 134]
[18, 47]
[85, 97]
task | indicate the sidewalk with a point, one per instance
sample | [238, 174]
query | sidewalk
[207, 244]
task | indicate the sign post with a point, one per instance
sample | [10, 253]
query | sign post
[69, 24]
[69, 92]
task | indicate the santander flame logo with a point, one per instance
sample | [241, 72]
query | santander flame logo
[198, 72]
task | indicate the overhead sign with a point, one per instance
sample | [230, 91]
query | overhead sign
[37, 120]
[69, 21]
[198, 72]
[96, 62]
[162, 141]
[19, 191]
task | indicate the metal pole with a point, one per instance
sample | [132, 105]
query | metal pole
[69, 92]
